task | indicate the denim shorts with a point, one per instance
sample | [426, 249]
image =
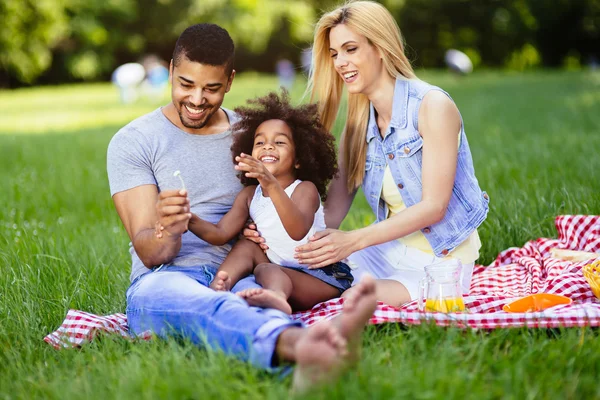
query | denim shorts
[337, 275]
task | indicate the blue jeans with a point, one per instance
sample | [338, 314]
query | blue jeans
[176, 301]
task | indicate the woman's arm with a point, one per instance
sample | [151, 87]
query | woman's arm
[439, 124]
[229, 226]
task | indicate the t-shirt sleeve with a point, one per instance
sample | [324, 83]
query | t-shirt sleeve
[128, 162]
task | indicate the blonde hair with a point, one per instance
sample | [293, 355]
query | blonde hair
[375, 22]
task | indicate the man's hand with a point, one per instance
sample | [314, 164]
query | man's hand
[173, 211]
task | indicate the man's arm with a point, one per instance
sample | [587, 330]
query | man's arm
[141, 208]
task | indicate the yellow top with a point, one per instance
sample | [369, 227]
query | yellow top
[467, 252]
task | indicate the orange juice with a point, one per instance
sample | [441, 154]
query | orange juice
[450, 304]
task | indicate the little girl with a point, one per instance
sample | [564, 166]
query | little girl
[285, 158]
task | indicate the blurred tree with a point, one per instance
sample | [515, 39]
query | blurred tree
[29, 31]
[51, 41]
[569, 31]
[487, 30]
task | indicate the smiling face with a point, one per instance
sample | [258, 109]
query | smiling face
[274, 147]
[198, 91]
[356, 60]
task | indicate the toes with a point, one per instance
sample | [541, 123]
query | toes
[223, 275]
[249, 293]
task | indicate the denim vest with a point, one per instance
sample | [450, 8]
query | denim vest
[401, 149]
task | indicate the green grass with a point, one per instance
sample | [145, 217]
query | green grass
[534, 138]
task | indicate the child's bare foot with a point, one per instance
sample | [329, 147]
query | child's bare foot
[222, 282]
[265, 298]
[358, 308]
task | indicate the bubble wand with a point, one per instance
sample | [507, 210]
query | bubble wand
[158, 227]
[178, 174]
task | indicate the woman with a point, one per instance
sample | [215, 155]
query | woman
[400, 144]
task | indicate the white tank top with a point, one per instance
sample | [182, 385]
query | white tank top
[269, 225]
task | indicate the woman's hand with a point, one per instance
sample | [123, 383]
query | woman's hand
[255, 169]
[253, 235]
[326, 247]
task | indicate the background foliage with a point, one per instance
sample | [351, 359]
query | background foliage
[56, 41]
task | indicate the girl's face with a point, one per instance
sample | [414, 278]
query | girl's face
[274, 147]
[355, 59]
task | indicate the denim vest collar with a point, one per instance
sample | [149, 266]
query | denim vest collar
[399, 111]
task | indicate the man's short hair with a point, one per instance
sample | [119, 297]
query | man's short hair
[206, 44]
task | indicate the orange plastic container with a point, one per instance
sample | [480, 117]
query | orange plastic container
[536, 302]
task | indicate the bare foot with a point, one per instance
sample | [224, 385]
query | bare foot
[313, 368]
[265, 298]
[359, 306]
[222, 282]
[319, 355]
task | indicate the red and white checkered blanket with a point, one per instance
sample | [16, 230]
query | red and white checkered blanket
[515, 273]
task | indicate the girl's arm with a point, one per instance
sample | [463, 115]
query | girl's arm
[336, 206]
[439, 124]
[229, 226]
[296, 213]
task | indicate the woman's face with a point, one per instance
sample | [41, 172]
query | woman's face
[355, 59]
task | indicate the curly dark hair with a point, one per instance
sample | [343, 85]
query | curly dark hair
[206, 44]
[315, 146]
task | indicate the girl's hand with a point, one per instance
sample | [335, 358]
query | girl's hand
[255, 169]
[326, 247]
[253, 235]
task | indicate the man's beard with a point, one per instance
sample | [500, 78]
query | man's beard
[197, 124]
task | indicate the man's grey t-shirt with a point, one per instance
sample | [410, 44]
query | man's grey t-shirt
[150, 149]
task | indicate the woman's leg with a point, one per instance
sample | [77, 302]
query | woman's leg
[397, 269]
[389, 291]
[239, 263]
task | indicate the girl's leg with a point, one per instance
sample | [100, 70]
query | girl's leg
[281, 285]
[308, 291]
[277, 287]
[239, 263]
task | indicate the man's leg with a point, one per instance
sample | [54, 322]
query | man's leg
[313, 366]
[240, 262]
[170, 301]
[176, 301]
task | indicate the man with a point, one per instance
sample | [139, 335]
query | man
[171, 272]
